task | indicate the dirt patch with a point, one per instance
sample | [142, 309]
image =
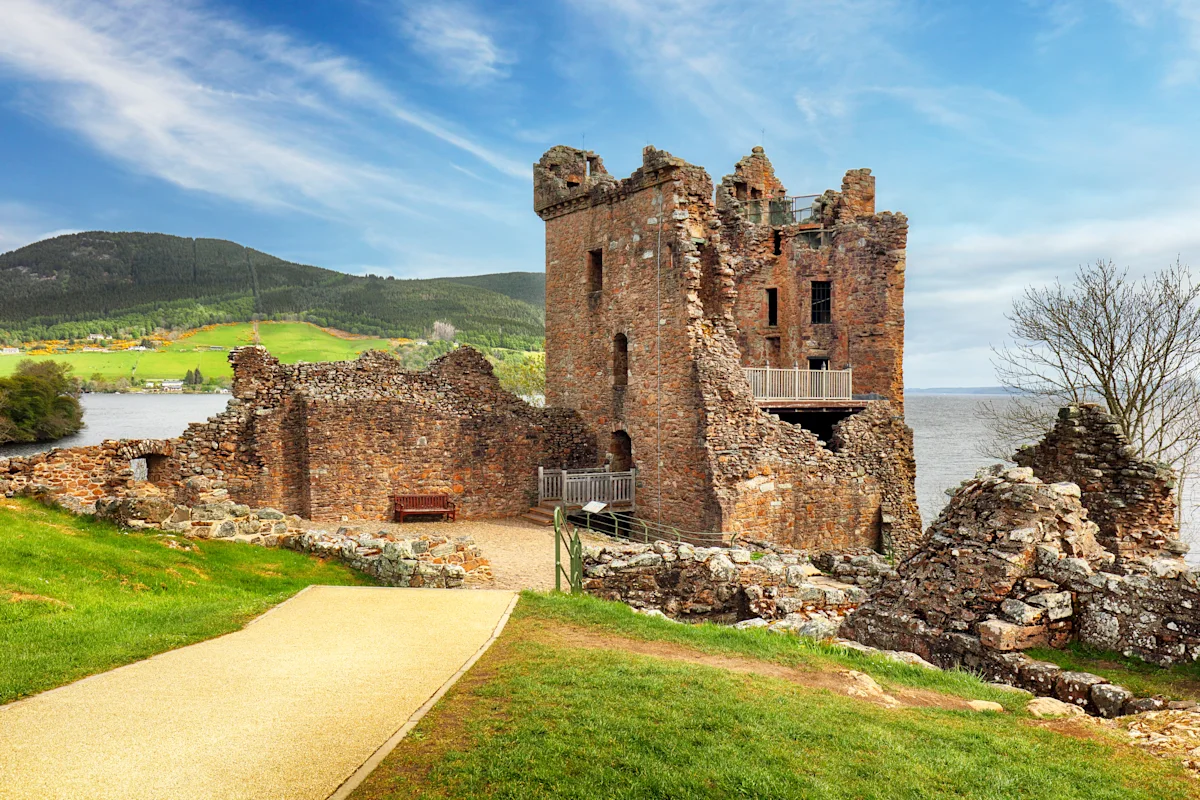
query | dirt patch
[24, 597]
[842, 681]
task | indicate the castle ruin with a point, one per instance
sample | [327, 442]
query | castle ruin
[741, 348]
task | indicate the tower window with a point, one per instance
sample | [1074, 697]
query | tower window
[822, 302]
[595, 270]
[772, 307]
[778, 248]
[620, 360]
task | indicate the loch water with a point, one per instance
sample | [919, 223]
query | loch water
[947, 438]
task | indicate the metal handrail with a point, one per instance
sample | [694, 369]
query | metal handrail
[574, 574]
[788, 210]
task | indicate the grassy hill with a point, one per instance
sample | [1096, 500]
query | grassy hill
[288, 341]
[133, 283]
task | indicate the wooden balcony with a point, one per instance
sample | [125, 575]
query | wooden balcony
[802, 388]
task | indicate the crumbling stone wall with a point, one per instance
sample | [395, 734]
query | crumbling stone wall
[77, 477]
[337, 440]
[861, 253]
[1013, 563]
[720, 584]
[1131, 500]
[708, 458]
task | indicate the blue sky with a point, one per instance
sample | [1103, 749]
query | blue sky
[1021, 138]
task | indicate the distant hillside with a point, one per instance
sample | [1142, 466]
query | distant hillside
[99, 282]
[529, 287]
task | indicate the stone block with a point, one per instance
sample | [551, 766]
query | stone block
[997, 634]
[1040, 677]
[1021, 613]
[1076, 687]
[1057, 604]
[1109, 699]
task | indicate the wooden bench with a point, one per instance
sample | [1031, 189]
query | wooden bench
[412, 504]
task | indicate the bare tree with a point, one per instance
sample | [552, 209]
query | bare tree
[1131, 345]
[443, 331]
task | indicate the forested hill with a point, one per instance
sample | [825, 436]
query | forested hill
[131, 283]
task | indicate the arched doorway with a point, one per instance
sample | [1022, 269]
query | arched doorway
[621, 449]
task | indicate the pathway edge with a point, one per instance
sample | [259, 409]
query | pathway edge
[367, 767]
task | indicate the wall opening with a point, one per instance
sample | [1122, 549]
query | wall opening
[621, 449]
[822, 302]
[620, 360]
[595, 270]
[152, 467]
[818, 363]
[710, 281]
[756, 194]
[772, 307]
[777, 248]
[819, 423]
[774, 352]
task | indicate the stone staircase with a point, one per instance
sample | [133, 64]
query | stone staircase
[542, 514]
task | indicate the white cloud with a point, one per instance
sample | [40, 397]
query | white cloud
[21, 224]
[211, 104]
[456, 38]
[732, 63]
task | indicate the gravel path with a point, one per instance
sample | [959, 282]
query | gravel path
[521, 553]
[287, 707]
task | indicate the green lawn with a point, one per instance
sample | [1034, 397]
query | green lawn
[542, 717]
[79, 596]
[288, 341]
[1181, 682]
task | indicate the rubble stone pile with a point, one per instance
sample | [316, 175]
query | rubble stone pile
[433, 561]
[429, 561]
[1014, 563]
[721, 584]
[1131, 500]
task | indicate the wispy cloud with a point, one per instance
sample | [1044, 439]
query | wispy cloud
[21, 224]
[212, 104]
[456, 37]
[731, 62]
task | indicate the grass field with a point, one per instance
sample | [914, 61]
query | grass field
[288, 341]
[582, 699]
[79, 596]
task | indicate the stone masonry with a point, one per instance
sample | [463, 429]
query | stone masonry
[646, 340]
[1014, 563]
[1131, 500]
[861, 254]
[332, 441]
[720, 584]
[337, 440]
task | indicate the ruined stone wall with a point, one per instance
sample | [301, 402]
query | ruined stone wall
[720, 584]
[861, 253]
[1131, 500]
[1014, 563]
[669, 288]
[339, 439]
[78, 477]
[647, 258]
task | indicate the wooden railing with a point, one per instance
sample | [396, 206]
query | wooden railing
[768, 383]
[578, 487]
